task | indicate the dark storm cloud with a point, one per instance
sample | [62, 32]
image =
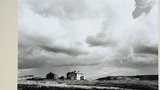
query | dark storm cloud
[136, 61]
[146, 49]
[34, 52]
[69, 51]
[142, 6]
[37, 62]
[25, 62]
[78, 64]
[39, 59]
[28, 49]
[29, 44]
[100, 39]
[31, 40]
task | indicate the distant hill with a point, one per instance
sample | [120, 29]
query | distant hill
[137, 77]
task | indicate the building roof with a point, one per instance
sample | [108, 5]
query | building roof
[75, 72]
[51, 73]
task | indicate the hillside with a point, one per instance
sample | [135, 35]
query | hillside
[137, 77]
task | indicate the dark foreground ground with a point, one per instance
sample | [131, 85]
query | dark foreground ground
[138, 82]
[35, 87]
[91, 85]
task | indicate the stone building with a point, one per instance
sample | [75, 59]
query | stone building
[51, 76]
[75, 75]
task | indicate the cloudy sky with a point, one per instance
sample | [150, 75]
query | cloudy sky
[96, 37]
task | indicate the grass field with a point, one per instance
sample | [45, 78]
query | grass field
[89, 85]
[132, 84]
[36, 87]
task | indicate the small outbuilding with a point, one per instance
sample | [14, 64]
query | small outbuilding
[62, 78]
[51, 76]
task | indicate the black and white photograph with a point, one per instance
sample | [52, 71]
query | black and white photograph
[87, 45]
